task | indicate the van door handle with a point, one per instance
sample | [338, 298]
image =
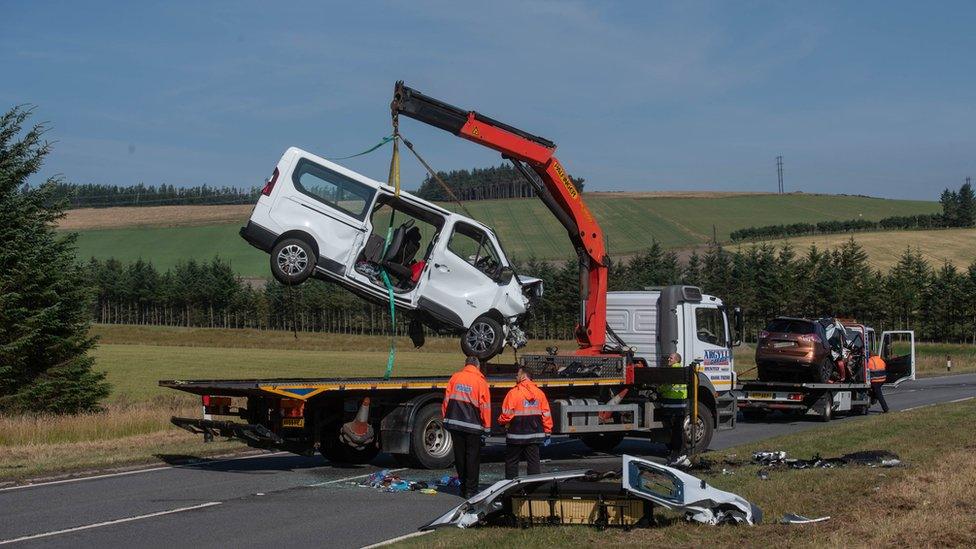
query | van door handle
[442, 268]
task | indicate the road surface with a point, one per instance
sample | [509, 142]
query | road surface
[284, 499]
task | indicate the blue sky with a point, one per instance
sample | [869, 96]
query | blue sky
[873, 98]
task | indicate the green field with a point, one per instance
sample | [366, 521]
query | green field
[526, 228]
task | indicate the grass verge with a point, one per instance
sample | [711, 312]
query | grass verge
[929, 501]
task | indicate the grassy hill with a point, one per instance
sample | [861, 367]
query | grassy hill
[884, 248]
[169, 234]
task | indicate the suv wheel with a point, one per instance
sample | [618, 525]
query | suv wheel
[823, 371]
[292, 261]
[484, 339]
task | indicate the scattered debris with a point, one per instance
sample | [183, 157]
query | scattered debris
[790, 518]
[727, 471]
[762, 474]
[870, 458]
[390, 482]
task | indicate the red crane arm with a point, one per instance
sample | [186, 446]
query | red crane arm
[557, 191]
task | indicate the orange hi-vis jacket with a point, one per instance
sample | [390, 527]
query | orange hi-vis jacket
[876, 367]
[467, 402]
[525, 411]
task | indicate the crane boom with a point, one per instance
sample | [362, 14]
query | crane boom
[554, 187]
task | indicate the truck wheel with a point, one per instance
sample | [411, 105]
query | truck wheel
[602, 442]
[828, 412]
[703, 431]
[431, 446]
[292, 261]
[823, 371]
[484, 339]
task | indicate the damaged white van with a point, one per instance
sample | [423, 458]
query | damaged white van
[319, 219]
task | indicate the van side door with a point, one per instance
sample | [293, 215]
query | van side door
[329, 205]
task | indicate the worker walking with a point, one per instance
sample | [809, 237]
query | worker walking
[876, 369]
[467, 416]
[674, 399]
[525, 412]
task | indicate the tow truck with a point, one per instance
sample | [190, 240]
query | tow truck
[757, 398]
[603, 391]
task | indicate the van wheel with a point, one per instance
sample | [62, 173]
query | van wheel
[292, 261]
[431, 446]
[484, 339]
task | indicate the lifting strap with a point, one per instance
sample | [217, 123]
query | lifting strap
[393, 181]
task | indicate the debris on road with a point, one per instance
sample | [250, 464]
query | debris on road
[790, 518]
[390, 482]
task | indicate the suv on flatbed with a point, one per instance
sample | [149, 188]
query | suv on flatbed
[795, 349]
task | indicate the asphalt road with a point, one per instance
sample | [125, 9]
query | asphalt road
[284, 499]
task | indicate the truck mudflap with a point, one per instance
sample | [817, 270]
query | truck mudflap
[726, 406]
[254, 435]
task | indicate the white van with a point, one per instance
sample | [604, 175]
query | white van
[317, 218]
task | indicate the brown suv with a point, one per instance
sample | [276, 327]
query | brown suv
[795, 349]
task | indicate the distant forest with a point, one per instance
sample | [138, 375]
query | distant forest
[502, 181]
[478, 184]
[94, 195]
[958, 210]
[938, 301]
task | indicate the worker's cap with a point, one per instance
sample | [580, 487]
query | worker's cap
[472, 361]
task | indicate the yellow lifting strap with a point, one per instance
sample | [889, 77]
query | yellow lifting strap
[394, 179]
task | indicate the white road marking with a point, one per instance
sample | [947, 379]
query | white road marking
[963, 399]
[338, 480]
[133, 472]
[108, 523]
[391, 541]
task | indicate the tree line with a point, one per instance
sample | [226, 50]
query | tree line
[502, 181]
[95, 195]
[958, 210]
[939, 302]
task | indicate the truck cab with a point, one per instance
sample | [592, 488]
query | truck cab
[656, 322]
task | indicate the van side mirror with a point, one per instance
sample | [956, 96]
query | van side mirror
[504, 275]
[737, 326]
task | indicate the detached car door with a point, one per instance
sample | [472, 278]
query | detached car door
[330, 205]
[898, 351]
[460, 284]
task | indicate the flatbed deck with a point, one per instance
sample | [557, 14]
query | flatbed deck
[306, 388]
[786, 385]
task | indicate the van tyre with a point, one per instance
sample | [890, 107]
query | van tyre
[602, 442]
[484, 339]
[292, 261]
[431, 446]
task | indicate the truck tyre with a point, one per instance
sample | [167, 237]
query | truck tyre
[484, 339]
[706, 427]
[292, 261]
[602, 442]
[431, 446]
[828, 412]
[823, 371]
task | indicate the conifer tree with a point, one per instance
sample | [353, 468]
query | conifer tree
[44, 295]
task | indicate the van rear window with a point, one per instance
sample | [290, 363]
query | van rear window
[787, 326]
[332, 188]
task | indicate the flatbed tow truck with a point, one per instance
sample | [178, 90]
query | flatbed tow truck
[758, 398]
[601, 392]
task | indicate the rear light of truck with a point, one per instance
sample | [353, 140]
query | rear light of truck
[214, 405]
[292, 408]
[269, 184]
[796, 396]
